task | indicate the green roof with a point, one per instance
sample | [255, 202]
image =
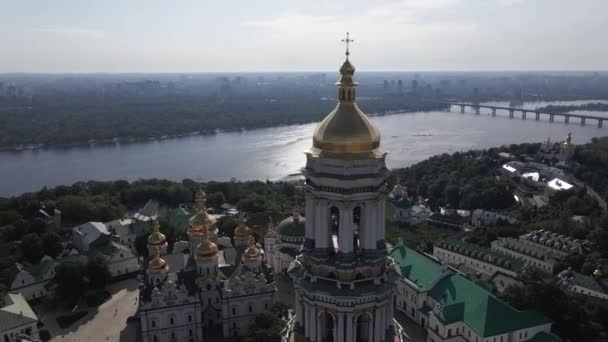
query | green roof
[463, 300]
[545, 337]
[16, 312]
[416, 267]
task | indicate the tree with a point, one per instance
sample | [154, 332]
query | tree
[69, 279]
[31, 247]
[141, 244]
[51, 244]
[226, 225]
[216, 199]
[266, 327]
[98, 273]
[9, 217]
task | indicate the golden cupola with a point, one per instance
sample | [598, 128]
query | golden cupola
[346, 130]
[206, 249]
[242, 232]
[201, 221]
[158, 264]
[156, 238]
[252, 253]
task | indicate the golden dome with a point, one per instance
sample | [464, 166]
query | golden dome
[206, 249]
[158, 264]
[252, 253]
[156, 238]
[242, 232]
[201, 221]
[346, 129]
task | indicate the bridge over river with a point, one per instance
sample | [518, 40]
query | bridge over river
[476, 108]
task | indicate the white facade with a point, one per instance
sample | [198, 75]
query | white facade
[482, 218]
[31, 282]
[170, 315]
[528, 253]
[120, 259]
[16, 319]
[85, 234]
[123, 229]
[486, 265]
[413, 215]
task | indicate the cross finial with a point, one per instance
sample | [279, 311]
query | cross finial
[347, 41]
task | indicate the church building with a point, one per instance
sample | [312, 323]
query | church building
[204, 296]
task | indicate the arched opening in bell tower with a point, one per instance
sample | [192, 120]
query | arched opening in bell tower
[334, 214]
[363, 328]
[327, 326]
[356, 229]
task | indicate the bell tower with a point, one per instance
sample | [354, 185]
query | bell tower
[344, 279]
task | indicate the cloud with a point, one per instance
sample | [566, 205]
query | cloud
[71, 31]
[508, 3]
[398, 21]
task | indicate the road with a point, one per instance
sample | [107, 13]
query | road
[108, 322]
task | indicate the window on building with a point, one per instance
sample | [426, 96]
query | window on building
[189, 318]
[190, 332]
[250, 309]
[153, 325]
[171, 321]
[234, 311]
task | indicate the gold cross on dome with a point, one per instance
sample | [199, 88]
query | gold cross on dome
[347, 41]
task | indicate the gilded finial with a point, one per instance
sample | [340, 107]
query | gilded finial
[347, 41]
[251, 241]
[241, 218]
[201, 199]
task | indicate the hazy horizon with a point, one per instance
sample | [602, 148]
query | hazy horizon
[288, 36]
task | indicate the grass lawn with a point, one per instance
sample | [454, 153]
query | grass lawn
[419, 237]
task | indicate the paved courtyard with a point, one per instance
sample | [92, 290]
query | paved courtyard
[108, 322]
[415, 332]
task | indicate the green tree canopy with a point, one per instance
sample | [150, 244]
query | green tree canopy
[70, 280]
[51, 244]
[98, 273]
[31, 247]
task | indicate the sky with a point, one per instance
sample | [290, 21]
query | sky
[288, 35]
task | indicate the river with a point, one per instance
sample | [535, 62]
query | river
[273, 153]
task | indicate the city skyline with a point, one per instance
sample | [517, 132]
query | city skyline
[404, 35]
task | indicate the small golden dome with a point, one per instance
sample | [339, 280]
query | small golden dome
[156, 238]
[252, 253]
[346, 129]
[201, 221]
[242, 232]
[158, 264]
[206, 249]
